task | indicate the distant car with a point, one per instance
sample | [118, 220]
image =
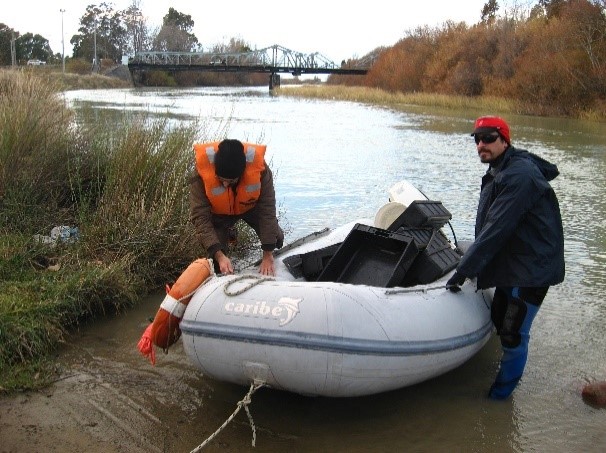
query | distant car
[35, 62]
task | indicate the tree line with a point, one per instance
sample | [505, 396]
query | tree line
[551, 58]
[109, 32]
[106, 34]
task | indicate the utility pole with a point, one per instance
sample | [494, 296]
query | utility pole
[62, 42]
[95, 64]
[13, 51]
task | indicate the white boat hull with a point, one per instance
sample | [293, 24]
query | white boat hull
[331, 339]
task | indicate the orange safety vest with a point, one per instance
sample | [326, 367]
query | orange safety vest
[248, 190]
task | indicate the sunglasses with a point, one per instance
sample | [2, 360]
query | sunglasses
[486, 138]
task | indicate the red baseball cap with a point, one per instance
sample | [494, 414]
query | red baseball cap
[486, 124]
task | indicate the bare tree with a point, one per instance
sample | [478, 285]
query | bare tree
[137, 34]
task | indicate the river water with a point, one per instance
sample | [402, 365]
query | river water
[334, 162]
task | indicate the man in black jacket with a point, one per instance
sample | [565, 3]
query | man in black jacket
[519, 243]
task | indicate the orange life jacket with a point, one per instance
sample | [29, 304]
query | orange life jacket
[248, 189]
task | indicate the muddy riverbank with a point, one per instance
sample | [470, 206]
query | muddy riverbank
[110, 399]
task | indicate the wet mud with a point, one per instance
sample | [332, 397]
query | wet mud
[111, 399]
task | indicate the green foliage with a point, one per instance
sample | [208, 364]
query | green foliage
[37, 148]
[489, 11]
[176, 33]
[143, 211]
[176, 19]
[28, 375]
[102, 30]
[26, 46]
[137, 33]
[6, 34]
[29, 46]
[38, 306]
[376, 96]
[125, 188]
[158, 79]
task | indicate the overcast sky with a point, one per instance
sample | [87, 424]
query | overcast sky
[337, 29]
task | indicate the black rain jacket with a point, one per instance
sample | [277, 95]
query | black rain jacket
[519, 235]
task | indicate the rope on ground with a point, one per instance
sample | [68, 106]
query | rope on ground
[256, 279]
[243, 403]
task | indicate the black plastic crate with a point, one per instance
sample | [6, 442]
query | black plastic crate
[309, 265]
[436, 260]
[422, 213]
[421, 236]
[294, 264]
[371, 256]
[315, 262]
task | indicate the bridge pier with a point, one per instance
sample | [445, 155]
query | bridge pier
[274, 81]
[136, 77]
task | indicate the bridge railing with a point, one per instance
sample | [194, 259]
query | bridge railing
[273, 56]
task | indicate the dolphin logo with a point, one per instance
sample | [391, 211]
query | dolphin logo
[292, 308]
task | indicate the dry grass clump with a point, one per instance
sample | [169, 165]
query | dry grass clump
[398, 100]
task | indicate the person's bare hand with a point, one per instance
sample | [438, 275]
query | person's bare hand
[224, 262]
[267, 264]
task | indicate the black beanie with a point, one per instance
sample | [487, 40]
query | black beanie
[230, 160]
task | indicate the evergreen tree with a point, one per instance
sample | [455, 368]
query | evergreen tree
[176, 33]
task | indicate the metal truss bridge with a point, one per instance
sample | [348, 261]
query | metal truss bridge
[272, 60]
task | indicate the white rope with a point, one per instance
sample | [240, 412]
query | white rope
[243, 403]
[256, 279]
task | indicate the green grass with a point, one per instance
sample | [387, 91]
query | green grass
[38, 306]
[123, 184]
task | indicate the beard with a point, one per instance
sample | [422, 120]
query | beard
[485, 156]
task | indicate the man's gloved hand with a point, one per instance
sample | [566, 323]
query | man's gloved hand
[455, 282]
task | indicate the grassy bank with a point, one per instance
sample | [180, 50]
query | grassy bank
[396, 101]
[404, 101]
[122, 189]
[116, 77]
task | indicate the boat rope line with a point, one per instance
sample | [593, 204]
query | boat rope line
[243, 403]
[256, 279]
[425, 289]
[329, 343]
[301, 241]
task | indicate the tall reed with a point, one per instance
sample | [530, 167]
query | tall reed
[124, 187]
[143, 210]
[37, 141]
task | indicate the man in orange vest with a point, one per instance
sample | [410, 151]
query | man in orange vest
[232, 182]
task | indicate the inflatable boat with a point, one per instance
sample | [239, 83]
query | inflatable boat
[353, 311]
